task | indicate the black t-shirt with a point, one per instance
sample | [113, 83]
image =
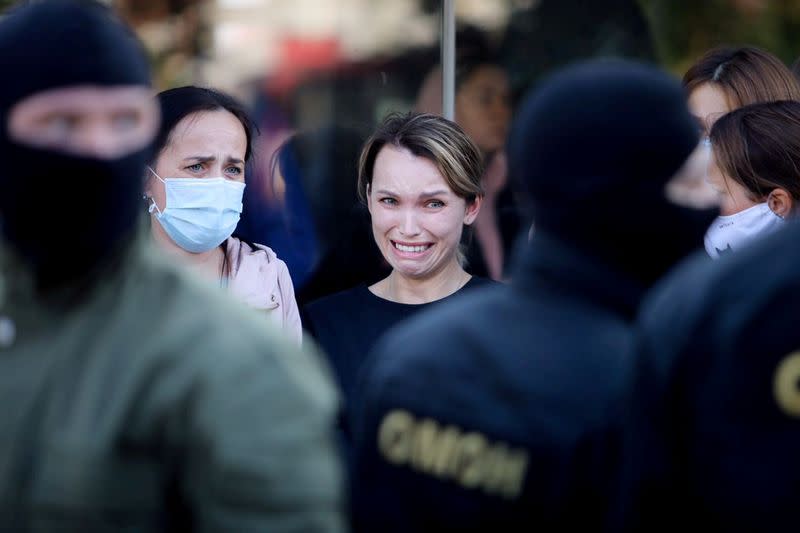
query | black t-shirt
[347, 325]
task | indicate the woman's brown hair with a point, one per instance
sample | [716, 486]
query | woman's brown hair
[758, 146]
[437, 139]
[747, 75]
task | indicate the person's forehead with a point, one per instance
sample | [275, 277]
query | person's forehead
[205, 122]
[219, 128]
[399, 168]
[87, 98]
[487, 78]
[708, 99]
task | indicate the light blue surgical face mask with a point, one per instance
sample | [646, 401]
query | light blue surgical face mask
[200, 213]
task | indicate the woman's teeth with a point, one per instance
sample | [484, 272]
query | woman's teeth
[416, 249]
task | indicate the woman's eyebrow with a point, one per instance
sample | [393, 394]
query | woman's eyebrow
[437, 192]
[201, 158]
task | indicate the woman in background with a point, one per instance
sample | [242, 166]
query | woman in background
[194, 191]
[419, 176]
[313, 178]
[755, 168]
[724, 79]
[483, 110]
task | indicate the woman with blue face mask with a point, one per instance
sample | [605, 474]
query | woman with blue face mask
[194, 191]
[755, 170]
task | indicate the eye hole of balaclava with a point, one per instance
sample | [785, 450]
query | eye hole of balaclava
[102, 122]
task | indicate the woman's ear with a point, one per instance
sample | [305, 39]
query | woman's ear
[369, 199]
[473, 208]
[780, 202]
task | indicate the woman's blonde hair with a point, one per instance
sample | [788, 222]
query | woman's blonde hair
[437, 139]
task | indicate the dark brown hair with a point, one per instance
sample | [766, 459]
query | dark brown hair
[180, 102]
[758, 146]
[747, 75]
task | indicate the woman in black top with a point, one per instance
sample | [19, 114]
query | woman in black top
[420, 177]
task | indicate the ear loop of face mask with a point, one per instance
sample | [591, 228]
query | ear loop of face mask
[153, 206]
[770, 207]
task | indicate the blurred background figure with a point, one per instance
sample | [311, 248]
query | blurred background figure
[314, 177]
[715, 415]
[194, 191]
[726, 78]
[419, 176]
[483, 109]
[500, 409]
[722, 80]
[755, 168]
[138, 399]
[543, 36]
[302, 66]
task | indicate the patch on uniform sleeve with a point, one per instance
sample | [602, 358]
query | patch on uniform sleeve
[469, 459]
[786, 385]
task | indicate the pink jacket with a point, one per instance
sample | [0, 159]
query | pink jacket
[261, 280]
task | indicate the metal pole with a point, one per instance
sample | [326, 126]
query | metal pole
[448, 59]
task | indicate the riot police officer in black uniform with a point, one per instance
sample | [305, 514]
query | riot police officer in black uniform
[501, 411]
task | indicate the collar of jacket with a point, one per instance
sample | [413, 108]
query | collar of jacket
[549, 264]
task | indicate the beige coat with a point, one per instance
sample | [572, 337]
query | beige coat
[262, 281]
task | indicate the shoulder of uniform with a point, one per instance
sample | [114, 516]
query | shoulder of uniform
[429, 341]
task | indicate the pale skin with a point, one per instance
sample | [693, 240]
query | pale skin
[86, 120]
[207, 144]
[417, 221]
[483, 107]
[707, 103]
[736, 198]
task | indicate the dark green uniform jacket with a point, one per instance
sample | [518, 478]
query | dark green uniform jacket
[153, 403]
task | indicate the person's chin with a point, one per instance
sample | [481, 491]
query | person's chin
[413, 273]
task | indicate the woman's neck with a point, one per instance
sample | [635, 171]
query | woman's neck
[405, 290]
[207, 264]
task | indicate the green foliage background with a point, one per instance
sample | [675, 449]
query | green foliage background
[684, 29]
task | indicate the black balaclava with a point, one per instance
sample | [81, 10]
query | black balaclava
[66, 214]
[594, 147]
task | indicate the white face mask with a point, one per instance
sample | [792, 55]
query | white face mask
[200, 213]
[729, 233]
